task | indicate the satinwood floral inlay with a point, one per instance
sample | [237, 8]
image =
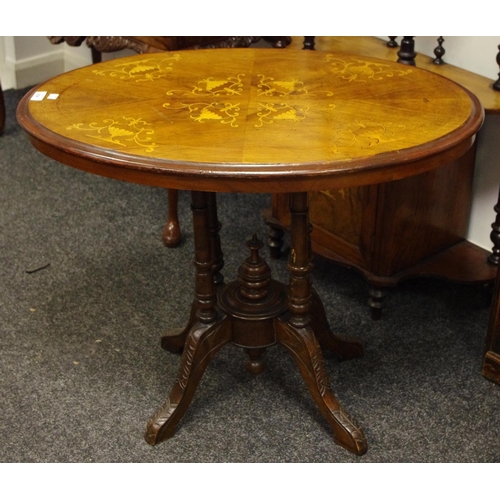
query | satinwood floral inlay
[269, 112]
[360, 70]
[124, 132]
[270, 87]
[142, 70]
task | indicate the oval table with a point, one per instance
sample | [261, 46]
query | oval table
[253, 121]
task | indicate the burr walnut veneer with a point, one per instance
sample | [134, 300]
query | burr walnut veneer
[250, 120]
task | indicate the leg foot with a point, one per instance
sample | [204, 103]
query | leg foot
[202, 344]
[376, 302]
[255, 364]
[306, 351]
[171, 235]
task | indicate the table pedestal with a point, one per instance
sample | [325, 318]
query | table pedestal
[255, 312]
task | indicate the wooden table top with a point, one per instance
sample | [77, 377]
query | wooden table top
[251, 120]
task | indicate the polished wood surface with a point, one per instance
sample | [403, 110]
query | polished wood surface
[372, 46]
[252, 120]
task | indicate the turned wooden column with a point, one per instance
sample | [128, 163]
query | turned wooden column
[439, 51]
[205, 290]
[392, 42]
[407, 54]
[214, 227]
[496, 84]
[300, 261]
[494, 257]
[309, 43]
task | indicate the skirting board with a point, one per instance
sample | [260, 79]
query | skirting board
[34, 70]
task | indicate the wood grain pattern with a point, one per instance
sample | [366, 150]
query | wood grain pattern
[252, 120]
[375, 47]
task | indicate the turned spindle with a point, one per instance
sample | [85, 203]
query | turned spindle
[392, 42]
[496, 85]
[494, 257]
[407, 54]
[439, 51]
[309, 43]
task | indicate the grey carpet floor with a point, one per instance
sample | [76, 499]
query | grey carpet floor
[81, 369]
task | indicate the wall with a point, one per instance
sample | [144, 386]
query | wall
[28, 60]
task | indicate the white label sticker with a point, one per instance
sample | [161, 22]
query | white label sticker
[52, 97]
[38, 96]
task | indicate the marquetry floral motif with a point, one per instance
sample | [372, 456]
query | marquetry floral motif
[270, 87]
[357, 70]
[367, 133]
[202, 112]
[124, 132]
[270, 112]
[231, 85]
[142, 70]
[229, 88]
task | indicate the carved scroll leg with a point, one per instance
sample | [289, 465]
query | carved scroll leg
[202, 344]
[342, 347]
[208, 333]
[171, 235]
[305, 349]
[296, 332]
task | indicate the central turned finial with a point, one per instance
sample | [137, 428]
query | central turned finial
[254, 275]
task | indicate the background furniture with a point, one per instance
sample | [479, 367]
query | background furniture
[393, 231]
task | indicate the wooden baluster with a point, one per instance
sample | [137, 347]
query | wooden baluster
[309, 43]
[392, 42]
[494, 257]
[300, 261]
[205, 292]
[407, 54]
[496, 85]
[215, 245]
[439, 51]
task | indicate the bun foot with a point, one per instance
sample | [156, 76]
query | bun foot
[255, 364]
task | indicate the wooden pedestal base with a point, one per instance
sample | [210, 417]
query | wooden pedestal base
[254, 313]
